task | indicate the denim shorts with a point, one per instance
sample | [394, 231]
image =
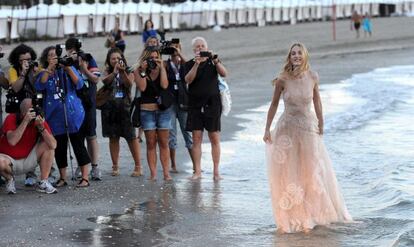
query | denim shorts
[156, 120]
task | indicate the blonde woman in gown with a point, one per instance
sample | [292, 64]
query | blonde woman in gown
[303, 184]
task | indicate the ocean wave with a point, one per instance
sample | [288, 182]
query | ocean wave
[404, 240]
[373, 94]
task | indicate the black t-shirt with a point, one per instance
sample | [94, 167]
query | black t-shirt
[151, 91]
[205, 85]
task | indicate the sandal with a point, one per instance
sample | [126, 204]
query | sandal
[79, 185]
[115, 171]
[61, 183]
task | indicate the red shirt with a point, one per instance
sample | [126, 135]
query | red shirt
[29, 138]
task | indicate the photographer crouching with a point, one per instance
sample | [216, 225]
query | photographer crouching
[205, 102]
[27, 142]
[86, 65]
[63, 109]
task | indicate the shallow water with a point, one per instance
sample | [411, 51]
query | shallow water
[369, 135]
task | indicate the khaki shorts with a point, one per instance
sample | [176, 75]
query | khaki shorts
[22, 166]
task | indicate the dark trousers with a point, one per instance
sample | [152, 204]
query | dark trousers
[78, 147]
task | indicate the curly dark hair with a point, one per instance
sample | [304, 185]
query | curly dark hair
[43, 57]
[20, 50]
[109, 68]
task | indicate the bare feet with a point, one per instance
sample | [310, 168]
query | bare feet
[153, 179]
[217, 178]
[168, 178]
[174, 170]
[137, 172]
[195, 176]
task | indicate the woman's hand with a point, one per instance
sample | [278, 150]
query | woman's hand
[159, 63]
[25, 68]
[267, 137]
[29, 116]
[52, 64]
[121, 65]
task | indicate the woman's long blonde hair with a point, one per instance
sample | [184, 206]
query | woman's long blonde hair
[288, 66]
[288, 69]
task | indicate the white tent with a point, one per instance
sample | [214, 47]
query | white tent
[232, 11]
[7, 15]
[285, 12]
[241, 9]
[166, 17]
[42, 19]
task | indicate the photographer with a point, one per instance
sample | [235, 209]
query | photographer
[177, 86]
[22, 75]
[89, 70]
[27, 141]
[63, 109]
[115, 112]
[204, 101]
[150, 78]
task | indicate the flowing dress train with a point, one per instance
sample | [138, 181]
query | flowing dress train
[303, 185]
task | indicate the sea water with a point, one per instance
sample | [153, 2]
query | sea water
[369, 133]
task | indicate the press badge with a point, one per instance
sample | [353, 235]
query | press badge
[56, 96]
[175, 86]
[119, 94]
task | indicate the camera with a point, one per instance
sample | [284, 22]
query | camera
[208, 54]
[33, 64]
[65, 61]
[37, 102]
[85, 56]
[166, 48]
[151, 63]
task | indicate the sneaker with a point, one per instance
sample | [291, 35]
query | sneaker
[10, 187]
[46, 187]
[78, 173]
[31, 179]
[96, 174]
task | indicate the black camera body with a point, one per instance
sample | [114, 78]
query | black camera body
[65, 61]
[37, 102]
[166, 49]
[85, 56]
[151, 63]
[208, 54]
[33, 64]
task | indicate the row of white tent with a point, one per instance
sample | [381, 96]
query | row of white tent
[57, 20]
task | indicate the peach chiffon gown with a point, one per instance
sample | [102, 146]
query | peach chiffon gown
[303, 185]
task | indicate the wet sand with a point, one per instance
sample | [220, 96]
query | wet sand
[138, 212]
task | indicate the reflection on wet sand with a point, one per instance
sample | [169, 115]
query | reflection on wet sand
[139, 225]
